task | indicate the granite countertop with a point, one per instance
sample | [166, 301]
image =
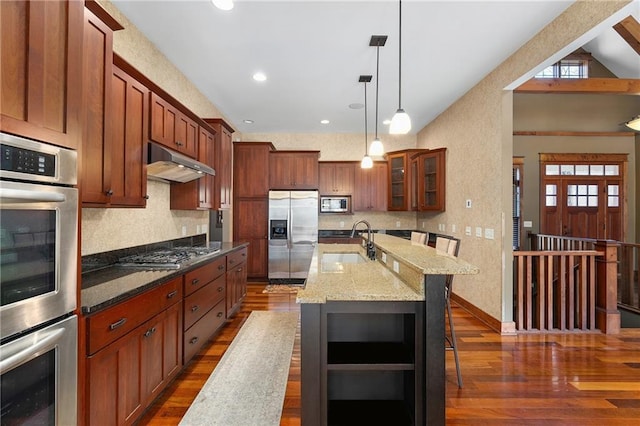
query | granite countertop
[370, 280]
[338, 281]
[108, 286]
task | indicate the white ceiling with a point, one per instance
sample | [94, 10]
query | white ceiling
[314, 51]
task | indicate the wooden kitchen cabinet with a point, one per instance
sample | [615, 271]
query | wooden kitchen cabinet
[222, 162]
[251, 204]
[431, 180]
[236, 280]
[336, 177]
[402, 180]
[129, 136]
[251, 169]
[171, 128]
[371, 188]
[197, 194]
[135, 349]
[96, 149]
[293, 170]
[41, 70]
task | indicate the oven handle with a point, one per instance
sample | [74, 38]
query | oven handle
[22, 195]
[25, 354]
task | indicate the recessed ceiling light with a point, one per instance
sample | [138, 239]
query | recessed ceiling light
[223, 4]
[247, 121]
[386, 122]
[324, 121]
[356, 106]
[259, 76]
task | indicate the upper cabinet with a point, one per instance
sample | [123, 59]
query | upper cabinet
[172, 128]
[222, 162]
[41, 43]
[431, 180]
[293, 170]
[371, 188]
[336, 178]
[251, 169]
[403, 176]
[197, 194]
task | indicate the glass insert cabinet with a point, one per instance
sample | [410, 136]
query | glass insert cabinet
[417, 180]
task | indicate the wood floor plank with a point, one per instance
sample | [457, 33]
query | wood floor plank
[531, 379]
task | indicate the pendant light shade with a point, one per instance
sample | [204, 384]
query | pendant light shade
[634, 123]
[401, 122]
[366, 162]
[223, 4]
[376, 149]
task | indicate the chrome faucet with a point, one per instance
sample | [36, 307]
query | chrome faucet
[371, 250]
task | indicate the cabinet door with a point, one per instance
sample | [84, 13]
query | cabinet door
[129, 135]
[96, 140]
[280, 172]
[236, 287]
[371, 188]
[398, 199]
[251, 170]
[326, 178]
[41, 70]
[223, 173]
[305, 171]
[113, 383]
[163, 121]
[431, 180]
[344, 178]
[250, 225]
[186, 135]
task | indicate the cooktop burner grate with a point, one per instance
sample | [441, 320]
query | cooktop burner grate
[173, 258]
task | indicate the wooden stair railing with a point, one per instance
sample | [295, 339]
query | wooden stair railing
[628, 285]
[555, 290]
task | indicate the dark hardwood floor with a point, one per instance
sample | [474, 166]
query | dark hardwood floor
[545, 379]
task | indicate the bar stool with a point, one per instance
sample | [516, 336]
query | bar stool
[451, 246]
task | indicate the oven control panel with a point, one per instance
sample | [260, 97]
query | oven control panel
[22, 160]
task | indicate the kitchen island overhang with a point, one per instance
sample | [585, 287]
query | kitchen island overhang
[372, 333]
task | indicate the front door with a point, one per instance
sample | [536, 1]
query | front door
[582, 195]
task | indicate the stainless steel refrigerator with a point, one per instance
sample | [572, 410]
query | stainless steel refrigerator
[293, 234]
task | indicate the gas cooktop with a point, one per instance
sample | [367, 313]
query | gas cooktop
[170, 258]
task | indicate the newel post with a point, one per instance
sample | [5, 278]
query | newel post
[607, 314]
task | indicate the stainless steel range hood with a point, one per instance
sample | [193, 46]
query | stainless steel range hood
[168, 165]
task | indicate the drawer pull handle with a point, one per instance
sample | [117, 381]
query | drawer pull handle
[195, 281]
[172, 294]
[193, 340]
[220, 289]
[149, 332]
[195, 308]
[244, 254]
[117, 324]
[220, 267]
[219, 314]
[239, 270]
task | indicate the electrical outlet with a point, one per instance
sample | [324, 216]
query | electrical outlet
[453, 228]
[478, 231]
[527, 224]
[205, 228]
[341, 224]
[398, 224]
[467, 230]
[488, 233]
[396, 267]
[384, 257]
[198, 229]
[424, 224]
[184, 231]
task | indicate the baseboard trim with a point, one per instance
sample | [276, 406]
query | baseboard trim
[504, 328]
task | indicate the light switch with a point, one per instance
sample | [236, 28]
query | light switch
[396, 266]
[453, 228]
[478, 231]
[488, 233]
[467, 204]
[528, 224]
[467, 230]
[184, 231]
[384, 257]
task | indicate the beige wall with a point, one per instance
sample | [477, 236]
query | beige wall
[477, 133]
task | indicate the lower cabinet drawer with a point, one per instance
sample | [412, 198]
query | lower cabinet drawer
[198, 303]
[202, 330]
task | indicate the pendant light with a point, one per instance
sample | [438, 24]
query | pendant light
[634, 123]
[366, 162]
[401, 122]
[223, 4]
[377, 149]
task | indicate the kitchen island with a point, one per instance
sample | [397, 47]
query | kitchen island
[373, 348]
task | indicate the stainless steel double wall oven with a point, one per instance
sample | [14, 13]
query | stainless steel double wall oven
[38, 282]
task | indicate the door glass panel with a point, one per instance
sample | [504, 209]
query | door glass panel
[593, 189]
[582, 189]
[552, 169]
[582, 169]
[566, 169]
[613, 199]
[612, 170]
[572, 201]
[551, 195]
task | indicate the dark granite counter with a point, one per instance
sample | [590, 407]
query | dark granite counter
[111, 284]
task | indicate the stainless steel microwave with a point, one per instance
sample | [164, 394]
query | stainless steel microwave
[335, 204]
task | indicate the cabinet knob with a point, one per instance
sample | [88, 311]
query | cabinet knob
[146, 197]
[195, 308]
[220, 289]
[219, 314]
[149, 332]
[195, 281]
[193, 340]
[109, 192]
[220, 267]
